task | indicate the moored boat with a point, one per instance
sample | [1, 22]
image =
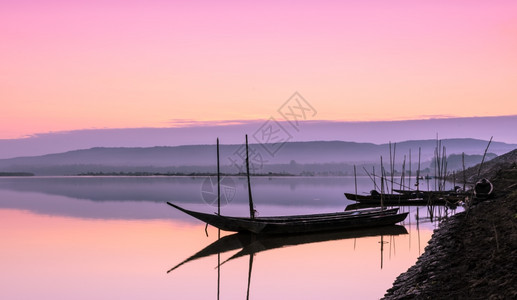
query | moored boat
[296, 224]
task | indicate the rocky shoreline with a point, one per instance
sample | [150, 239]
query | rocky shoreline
[473, 254]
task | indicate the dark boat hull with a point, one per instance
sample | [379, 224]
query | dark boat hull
[357, 197]
[407, 201]
[297, 224]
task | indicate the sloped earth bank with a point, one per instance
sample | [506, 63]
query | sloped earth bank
[472, 255]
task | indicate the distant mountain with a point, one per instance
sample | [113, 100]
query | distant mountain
[363, 132]
[289, 157]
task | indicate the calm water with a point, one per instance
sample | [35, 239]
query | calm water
[115, 238]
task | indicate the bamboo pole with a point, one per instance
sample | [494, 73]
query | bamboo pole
[464, 175]
[218, 182]
[409, 177]
[371, 178]
[393, 166]
[402, 182]
[374, 179]
[484, 155]
[382, 185]
[444, 172]
[418, 171]
[252, 209]
[355, 181]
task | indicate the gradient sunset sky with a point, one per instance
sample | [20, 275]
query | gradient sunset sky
[67, 65]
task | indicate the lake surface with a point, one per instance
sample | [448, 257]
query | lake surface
[115, 238]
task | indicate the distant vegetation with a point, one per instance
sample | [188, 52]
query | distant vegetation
[7, 174]
[176, 174]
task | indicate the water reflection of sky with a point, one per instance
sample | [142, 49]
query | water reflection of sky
[145, 197]
[116, 238]
[71, 258]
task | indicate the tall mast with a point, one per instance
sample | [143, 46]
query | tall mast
[218, 182]
[252, 210]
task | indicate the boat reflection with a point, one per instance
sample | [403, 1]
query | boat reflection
[250, 244]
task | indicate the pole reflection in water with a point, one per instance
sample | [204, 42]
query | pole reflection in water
[249, 277]
[251, 244]
[218, 264]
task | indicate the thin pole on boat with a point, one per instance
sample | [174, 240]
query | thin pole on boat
[436, 164]
[418, 171]
[409, 177]
[355, 181]
[382, 185]
[402, 183]
[218, 182]
[374, 182]
[393, 166]
[444, 167]
[483, 160]
[464, 175]
[252, 210]
[372, 178]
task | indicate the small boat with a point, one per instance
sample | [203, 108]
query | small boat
[301, 223]
[294, 224]
[442, 200]
[422, 194]
[409, 198]
[374, 195]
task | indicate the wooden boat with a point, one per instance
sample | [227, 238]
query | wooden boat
[408, 202]
[359, 205]
[374, 196]
[423, 194]
[252, 243]
[298, 224]
[293, 224]
[409, 198]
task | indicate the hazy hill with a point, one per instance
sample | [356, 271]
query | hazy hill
[201, 158]
[363, 132]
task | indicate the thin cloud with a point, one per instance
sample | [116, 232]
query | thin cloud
[195, 123]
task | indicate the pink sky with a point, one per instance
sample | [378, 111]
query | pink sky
[67, 65]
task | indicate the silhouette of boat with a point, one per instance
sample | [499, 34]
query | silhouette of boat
[299, 224]
[293, 224]
[374, 195]
[408, 198]
[251, 243]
